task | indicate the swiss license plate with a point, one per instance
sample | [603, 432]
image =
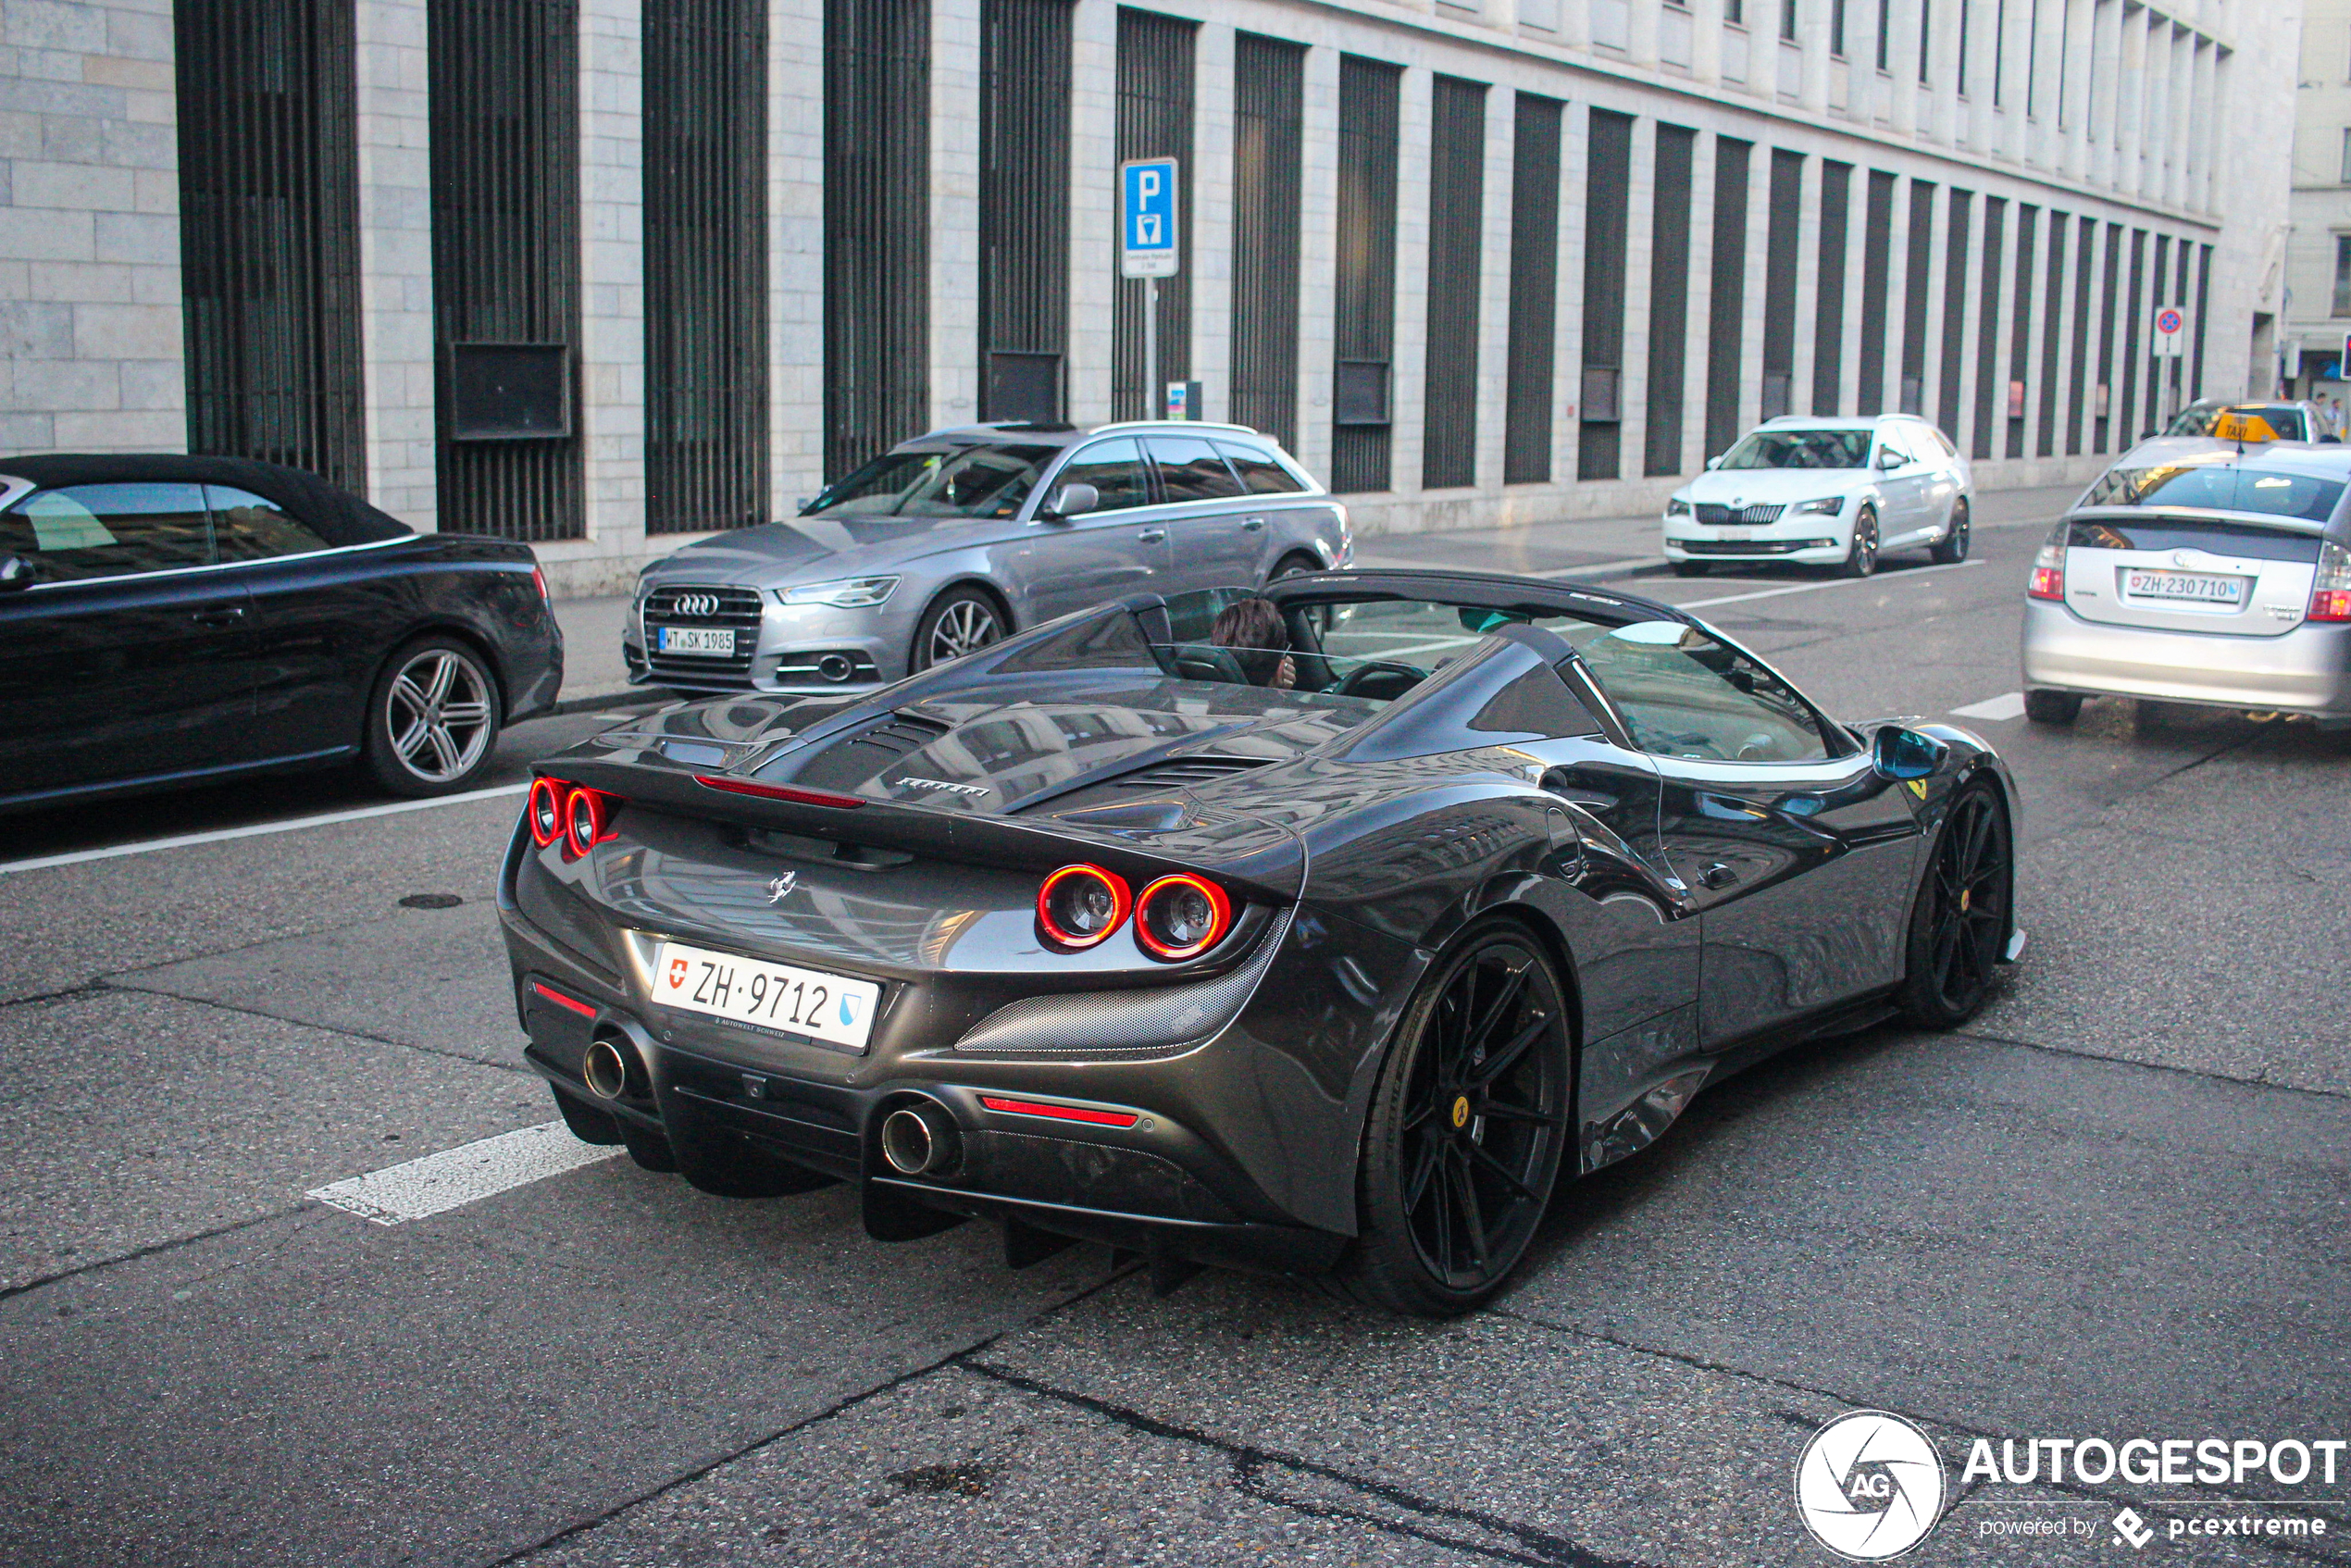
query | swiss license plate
[718, 640]
[779, 997]
[2182, 588]
[1737, 533]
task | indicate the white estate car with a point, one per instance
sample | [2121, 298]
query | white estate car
[1832, 493]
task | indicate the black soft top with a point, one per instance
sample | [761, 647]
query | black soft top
[338, 517]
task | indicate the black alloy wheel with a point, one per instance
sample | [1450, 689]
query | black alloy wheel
[1953, 546]
[1961, 917]
[1860, 557]
[960, 621]
[1467, 1129]
[1292, 564]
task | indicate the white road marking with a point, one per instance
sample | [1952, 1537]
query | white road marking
[1884, 581]
[290, 825]
[465, 1175]
[2009, 704]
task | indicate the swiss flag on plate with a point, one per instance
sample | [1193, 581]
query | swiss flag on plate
[677, 973]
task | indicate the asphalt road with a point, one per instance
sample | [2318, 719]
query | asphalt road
[2116, 1205]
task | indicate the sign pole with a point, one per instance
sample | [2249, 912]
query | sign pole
[1153, 391]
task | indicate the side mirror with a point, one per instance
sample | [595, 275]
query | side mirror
[1072, 501]
[1714, 462]
[15, 574]
[1888, 460]
[1905, 753]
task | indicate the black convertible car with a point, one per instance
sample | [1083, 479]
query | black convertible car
[1089, 934]
[169, 620]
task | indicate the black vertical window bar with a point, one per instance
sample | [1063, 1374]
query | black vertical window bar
[1988, 325]
[1669, 298]
[1780, 262]
[2126, 402]
[876, 227]
[2159, 293]
[706, 152]
[1919, 269]
[504, 81]
[2203, 299]
[269, 232]
[1877, 270]
[1154, 95]
[1726, 307]
[1269, 110]
[1828, 297]
[1535, 254]
[2102, 392]
[1962, 210]
[2052, 313]
[1024, 207]
[2085, 264]
[2020, 323]
[1363, 293]
[1606, 181]
[1456, 232]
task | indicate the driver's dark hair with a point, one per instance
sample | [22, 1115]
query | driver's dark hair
[1254, 630]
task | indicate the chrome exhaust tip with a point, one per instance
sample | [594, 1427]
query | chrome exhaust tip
[920, 1140]
[612, 1069]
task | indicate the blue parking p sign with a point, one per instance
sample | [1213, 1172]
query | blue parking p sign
[1147, 218]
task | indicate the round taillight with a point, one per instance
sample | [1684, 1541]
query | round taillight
[583, 820]
[1182, 916]
[1080, 905]
[545, 812]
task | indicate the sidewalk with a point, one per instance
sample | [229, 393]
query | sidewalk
[1605, 547]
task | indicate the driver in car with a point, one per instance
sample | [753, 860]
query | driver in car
[1253, 630]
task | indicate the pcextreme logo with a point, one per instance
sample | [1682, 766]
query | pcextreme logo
[1870, 1486]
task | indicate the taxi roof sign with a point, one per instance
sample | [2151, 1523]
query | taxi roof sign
[2242, 428]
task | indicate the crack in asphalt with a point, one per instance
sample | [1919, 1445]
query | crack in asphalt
[152, 1250]
[1985, 1038]
[120, 988]
[1538, 1548]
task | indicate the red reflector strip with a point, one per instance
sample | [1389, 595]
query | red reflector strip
[583, 1009]
[2330, 605]
[1060, 1112]
[778, 792]
[2048, 583]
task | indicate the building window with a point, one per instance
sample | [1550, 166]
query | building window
[1885, 32]
[1735, 12]
[1024, 207]
[2346, 176]
[1669, 297]
[1363, 295]
[1456, 226]
[1999, 49]
[1958, 210]
[1608, 175]
[1966, 7]
[1910, 396]
[1780, 262]
[1877, 262]
[1156, 60]
[1926, 32]
[1828, 310]
[876, 227]
[1726, 309]
[2342, 275]
[705, 264]
[2052, 309]
[1787, 19]
[504, 95]
[269, 233]
[1836, 28]
[1534, 232]
[1988, 324]
[1269, 99]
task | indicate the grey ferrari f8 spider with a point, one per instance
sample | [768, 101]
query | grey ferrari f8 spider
[1319, 958]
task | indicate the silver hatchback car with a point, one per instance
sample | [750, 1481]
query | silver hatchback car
[2197, 570]
[948, 542]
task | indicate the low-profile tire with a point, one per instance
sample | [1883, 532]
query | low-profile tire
[432, 718]
[2053, 707]
[1690, 568]
[724, 1164]
[962, 620]
[587, 1123]
[1959, 919]
[1467, 1129]
[1861, 555]
[1952, 548]
[1292, 564]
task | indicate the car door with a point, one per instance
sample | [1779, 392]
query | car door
[130, 655]
[1799, 853]
[1120, 547]
[1901, 485]
[1215, 532]
[1946, 475]
[322, 621]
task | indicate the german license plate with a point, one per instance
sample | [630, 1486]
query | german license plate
[717, 639]
[2182, 588]
[790, 1000]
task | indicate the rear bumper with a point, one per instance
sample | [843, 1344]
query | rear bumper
[2306, 670]
[1169, 1183]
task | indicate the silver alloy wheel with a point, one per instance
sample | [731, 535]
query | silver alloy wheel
[1864, 558]
[964, 626]
[437, 714]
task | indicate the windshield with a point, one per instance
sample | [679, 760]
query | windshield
[962, 482]
[2197, 419]
[2217, 488]
[1800, 449]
